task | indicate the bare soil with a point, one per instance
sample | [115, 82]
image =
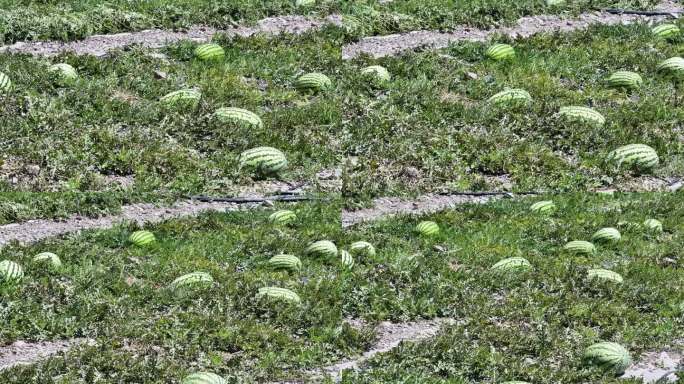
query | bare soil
[21, 352]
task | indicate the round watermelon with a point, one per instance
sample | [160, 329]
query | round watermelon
[634, 156]
[546, 207]
[10, 272]
[362, 248]
[238, 117]
[142, 238]
[65, 73]
[263, 160]
[378, 74]
[580, 247]
[191, 280]
[608, 356]
[49, 258]
[314, 82]
[209, 52]
[285, 262]
[282, 217]
[500, 52]
[666, 31]
[625, 79]
[672, 67]
[427, 228]
[281, 294]
[511, 97]
[324, 248]
[583, 115]
[204, 378]
[346, 259]
[653, 225]
[608, 234]
[181, 99]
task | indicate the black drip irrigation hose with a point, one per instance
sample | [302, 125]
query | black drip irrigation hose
[618, 11]
[245, 200]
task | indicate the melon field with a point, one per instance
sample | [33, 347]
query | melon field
[341, 191]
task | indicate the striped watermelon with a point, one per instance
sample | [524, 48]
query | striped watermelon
[65, 73]
[672, 67]
[362, 248]
[625, 79]
[511, 97]
[304, 3]
[580, 247]
[653, 225]
[282, 217]
[204, 378]
[608, 356]
[287, 262]
[193, 279]
[347, 259]
[606, 235]
[322, 248]
[634, 156]
[10, 271]
[313, 82]
[604, 275]
[5, 83]
[500, 52]
[512, 264]
[278, 294]
[666, 31]
[183, 98]
[583, 115]
[48, 257]
[546, 206]
[210, 51]
[264, 160]
[377, 73]
[238, 116]
[427, 228]
[142, 238]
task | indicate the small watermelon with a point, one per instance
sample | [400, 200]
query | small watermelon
[666, 31]
[10, 271]
[512, 264]
[204, 378]
[287, 262]
[672, 67]
[604, 275]
[282, 217]
[347, 259]
[276, 293]
[238, 117]
[48, 257]
[377, 73]
[142, 238]
[263, 160]
[5, 83]
[324, 248]
[511, 97]
[583, 115]
[313, 82]
[580, 247]
[362, 248]
[427, 228]
[183, 99]
[625, 79]
[65, 73]
[546, 207]
[304, 3]
[500, 52]
[634, 156]
[653, 225]
[608, 356]
[190, 280]
[209, 52]
[606, 235]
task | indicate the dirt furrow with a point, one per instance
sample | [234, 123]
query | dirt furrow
[21, 352]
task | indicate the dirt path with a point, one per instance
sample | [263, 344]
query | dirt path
[21, 352]
[394, 44]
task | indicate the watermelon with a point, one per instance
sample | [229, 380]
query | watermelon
[427, 228]
[193, 279]
[672, 67]
[5, 83]
[666, 31]
[546, 206]
[184, 98]
[48, 257]
[238, 117]
[209, 52]
[278, 294]
[362, 248]
[500, 52]
[323, 248]
[377, 73]
[304, 3]
[512, 264]
[606, 235]
[625, 79]
[313, 82]
[264, 160]
[142, 238]
[204, 378]
[608, 356]
[634, 156]
[347, 259]
[511, 97]
[65, 73]
[10, 271]
[583, 115]
[287, 262]
[552, 3]
[653, 225]
[604, 275]
[282, 217]
[580, 247]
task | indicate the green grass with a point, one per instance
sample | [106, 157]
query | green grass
[72, 19]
